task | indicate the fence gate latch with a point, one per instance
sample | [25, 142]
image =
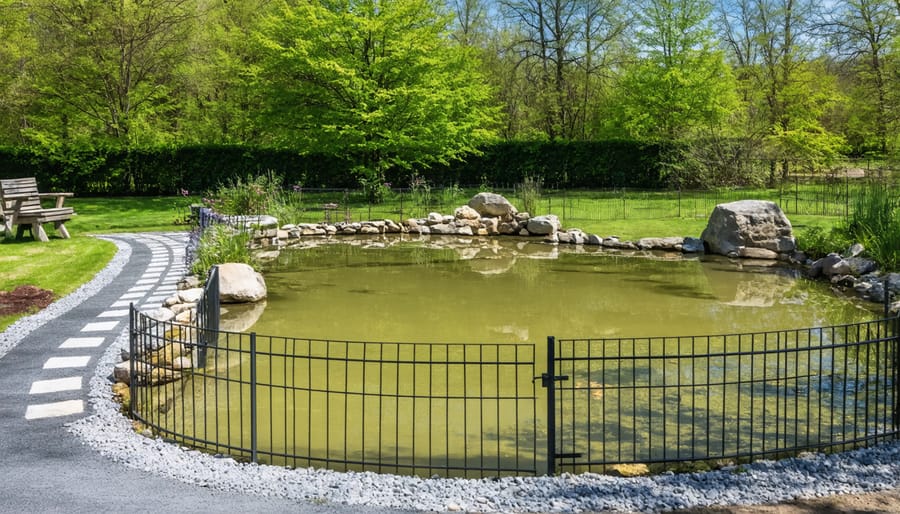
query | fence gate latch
[547, 377]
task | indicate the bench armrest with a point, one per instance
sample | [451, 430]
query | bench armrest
[60, 197]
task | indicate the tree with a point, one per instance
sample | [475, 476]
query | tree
[681, 85]
[863, 32]
[379, 81]
[16, 49]
[104, 72]
[786, 93]
[218, 92]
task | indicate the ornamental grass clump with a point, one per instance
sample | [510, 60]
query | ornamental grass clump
[220, 244]
[875, 222]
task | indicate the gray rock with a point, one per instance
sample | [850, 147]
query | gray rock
[122, 372]
[492, 204]
[239, 283]
[434, 218]
[443, 229]
[661, 243]
[756, 253]
[466, 213]
[508, 228]
[841, 267]
[828, 265]
[543, 225]
[594, 239]
[861, 265]
[190, 295]
[178, 308]
[161, 314]
[189, 282]
[855, 250]
[490, 225]
[614, 243]
[692, 245]
[748, 224]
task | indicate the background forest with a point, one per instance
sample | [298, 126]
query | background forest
[681, 92]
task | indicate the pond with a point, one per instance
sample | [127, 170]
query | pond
[505, 290]
[453, 391]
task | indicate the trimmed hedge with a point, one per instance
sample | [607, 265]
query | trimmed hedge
[165, 171]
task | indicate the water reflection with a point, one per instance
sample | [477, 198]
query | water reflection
[513, 290]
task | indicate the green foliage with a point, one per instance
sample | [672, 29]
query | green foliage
[875, 222]
[104, 71]
[818, 242]
[452, 194]
[682, 85]
[373, 79]
[248, 196]
[165, 171]
[220, 244]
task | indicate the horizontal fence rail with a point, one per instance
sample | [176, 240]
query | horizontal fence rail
[726, 398]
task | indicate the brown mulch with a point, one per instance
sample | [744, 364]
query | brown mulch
[24, 299]
[885, 502]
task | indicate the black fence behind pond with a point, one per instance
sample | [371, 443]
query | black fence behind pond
[485, 409]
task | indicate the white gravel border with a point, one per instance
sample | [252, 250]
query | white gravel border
[110, 433]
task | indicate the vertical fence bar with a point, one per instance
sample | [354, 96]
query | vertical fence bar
[896, 374]
[253, 414]
[550, 384]
[132, 352]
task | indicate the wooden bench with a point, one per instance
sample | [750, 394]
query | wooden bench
[20, 204]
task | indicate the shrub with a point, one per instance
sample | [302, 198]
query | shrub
[529, 194]
[817, 243]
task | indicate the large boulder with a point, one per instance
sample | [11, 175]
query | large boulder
[493, 205]
[736, 227]
[238, 283]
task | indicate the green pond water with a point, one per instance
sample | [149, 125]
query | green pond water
[467, 325]
[514, 291]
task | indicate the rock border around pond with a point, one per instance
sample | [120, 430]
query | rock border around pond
[755, 230]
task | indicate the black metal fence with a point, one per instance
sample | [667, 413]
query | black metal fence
[409, 408]
[812, 196]
[724, 398]
[475, 409]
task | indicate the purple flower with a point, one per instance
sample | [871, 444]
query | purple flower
[185, 192]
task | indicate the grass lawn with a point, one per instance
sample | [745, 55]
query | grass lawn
[63, 265]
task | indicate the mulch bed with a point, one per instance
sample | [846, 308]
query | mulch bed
[24, 299]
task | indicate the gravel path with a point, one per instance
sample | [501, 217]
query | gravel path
[766, 482]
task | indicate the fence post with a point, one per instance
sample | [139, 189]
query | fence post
[132, 357]
[253, 431]
[550, 384]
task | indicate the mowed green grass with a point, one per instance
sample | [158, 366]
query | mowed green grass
[63, 265]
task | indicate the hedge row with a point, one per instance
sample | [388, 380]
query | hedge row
[165, 171]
